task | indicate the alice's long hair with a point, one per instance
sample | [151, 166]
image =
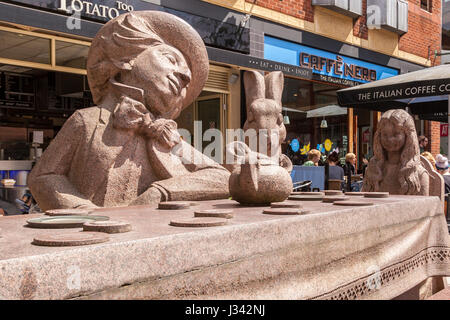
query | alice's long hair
[410, 165]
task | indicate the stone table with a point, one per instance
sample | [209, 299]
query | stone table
[332, 252]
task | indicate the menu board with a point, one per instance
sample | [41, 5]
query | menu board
[16, 91]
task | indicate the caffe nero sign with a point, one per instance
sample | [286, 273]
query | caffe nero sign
[324, 65]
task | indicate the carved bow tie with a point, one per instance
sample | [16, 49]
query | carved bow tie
[133, 115]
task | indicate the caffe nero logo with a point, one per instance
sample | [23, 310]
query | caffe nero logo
[94, 9]
[337, 66]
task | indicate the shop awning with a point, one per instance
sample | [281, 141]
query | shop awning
[331, 110]
[424, 92]
[293, 110]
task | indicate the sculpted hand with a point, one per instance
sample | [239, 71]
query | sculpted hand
[151, 196]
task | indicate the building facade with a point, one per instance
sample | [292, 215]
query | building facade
[444, 60]
[320, 46]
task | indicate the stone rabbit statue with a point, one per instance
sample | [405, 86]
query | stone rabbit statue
[261, 175]
[264, 113]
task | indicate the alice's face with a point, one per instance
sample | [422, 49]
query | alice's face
[164, 75]
[392, 137]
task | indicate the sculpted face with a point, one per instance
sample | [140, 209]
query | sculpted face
[392, 137]
[163, 73]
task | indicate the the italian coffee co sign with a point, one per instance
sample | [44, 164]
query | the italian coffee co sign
[94, 9]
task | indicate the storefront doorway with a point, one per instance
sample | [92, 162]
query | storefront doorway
[207, 112]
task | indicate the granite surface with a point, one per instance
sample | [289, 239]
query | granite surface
[324, 254]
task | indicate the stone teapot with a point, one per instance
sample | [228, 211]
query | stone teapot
[257, 179]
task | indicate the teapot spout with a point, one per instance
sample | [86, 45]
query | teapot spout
[249, 176]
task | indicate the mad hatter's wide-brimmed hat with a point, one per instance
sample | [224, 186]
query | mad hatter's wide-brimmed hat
[123, 38]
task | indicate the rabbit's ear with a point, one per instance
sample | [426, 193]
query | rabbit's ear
[274, 85]
[254, 86]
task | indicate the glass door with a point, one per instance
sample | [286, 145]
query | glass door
[210, 114]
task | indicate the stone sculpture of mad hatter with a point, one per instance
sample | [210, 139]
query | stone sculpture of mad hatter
[143, 68]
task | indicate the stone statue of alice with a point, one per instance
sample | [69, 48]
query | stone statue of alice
[143, 68]
[395, 166]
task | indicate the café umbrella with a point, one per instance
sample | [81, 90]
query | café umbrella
[425, 93]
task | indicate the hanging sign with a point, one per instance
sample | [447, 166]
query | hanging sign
[320, 148]
[328, 143]
[295, 145]
[366, 136]
[444, 129]
[305, 149]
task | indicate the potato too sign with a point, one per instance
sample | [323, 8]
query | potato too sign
[94, 9]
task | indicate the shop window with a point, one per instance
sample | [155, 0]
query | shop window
[24, 47]
[70, 54]
[426, 5]
[43, 51]
[315, 119]
[16, 89]
[67, 92]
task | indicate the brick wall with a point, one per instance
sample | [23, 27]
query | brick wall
[301, 9]
[424, 28]
[433, 133]
[360, 28]
[424, 31]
